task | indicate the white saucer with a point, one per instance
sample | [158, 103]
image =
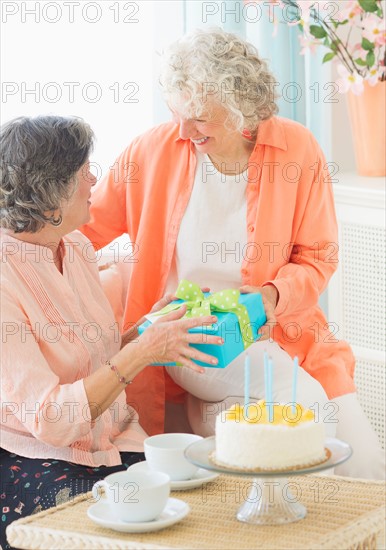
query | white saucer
[174, 511]
[200, 477]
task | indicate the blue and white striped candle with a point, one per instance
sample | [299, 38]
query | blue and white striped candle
[266, 386]
[270, 389]
[294, 383]
[247, 379]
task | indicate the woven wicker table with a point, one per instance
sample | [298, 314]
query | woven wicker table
[341, 514]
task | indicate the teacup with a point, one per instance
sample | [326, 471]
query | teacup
[165, 453]
[134, 496]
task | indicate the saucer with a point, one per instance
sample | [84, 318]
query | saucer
[173, 512]
[200, 477]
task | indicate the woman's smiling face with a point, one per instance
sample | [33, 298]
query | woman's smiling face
[208, 133]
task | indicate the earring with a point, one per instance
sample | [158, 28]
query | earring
[56, 221]
[246, 134]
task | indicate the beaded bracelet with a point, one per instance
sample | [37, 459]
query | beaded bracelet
[120, 378]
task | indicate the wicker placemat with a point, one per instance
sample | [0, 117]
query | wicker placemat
[341, 514]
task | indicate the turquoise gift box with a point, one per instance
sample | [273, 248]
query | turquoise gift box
[227, 327]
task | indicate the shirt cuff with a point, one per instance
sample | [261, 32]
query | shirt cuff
[282, 288]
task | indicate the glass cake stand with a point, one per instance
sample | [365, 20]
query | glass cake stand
[269, 500]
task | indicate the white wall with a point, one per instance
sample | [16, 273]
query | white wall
[105, 49]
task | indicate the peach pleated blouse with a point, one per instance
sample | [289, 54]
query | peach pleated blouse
[56, 330]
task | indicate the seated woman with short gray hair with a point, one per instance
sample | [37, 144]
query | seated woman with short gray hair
[65, 422]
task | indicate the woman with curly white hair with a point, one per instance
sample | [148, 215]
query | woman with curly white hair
[229, 195]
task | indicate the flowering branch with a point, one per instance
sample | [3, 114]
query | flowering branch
[360, 60]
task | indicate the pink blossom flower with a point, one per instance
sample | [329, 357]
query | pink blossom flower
[358, 52]
[349, 81]
[304, 12]
[350, 11]
[305, 9]
[358, 63]
[374, 29]
[308, 42]
[374, 76]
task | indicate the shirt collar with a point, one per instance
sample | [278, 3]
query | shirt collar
[271, 132]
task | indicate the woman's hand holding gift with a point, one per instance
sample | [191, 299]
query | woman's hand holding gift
[270, 296]
[168, 339]
[165, 300]
[132, 333]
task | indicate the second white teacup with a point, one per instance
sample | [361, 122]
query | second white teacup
[165, 453]
[135, 496]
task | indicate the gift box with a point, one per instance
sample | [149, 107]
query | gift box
[239, 318]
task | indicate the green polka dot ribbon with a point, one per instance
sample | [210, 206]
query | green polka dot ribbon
[226, 301]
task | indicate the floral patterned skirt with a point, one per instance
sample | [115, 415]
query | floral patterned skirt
[29, 485]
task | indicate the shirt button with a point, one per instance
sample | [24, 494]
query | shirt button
[244, 271]
[251, 228]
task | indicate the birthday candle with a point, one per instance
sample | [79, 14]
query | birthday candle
[247, 374]
[270, 386]
[266, 384]
[294, 383]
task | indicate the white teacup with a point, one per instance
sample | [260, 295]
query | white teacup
[165, 453]
[135, 496]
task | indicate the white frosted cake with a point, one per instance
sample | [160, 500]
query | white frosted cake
[292, 439]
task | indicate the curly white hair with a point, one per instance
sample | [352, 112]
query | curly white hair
[211, 67]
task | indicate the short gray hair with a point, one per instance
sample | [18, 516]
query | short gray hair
[216, 63]
[39, 158]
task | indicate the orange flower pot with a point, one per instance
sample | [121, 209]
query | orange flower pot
[367, 114]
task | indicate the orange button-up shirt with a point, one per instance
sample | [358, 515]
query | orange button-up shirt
[292, 233]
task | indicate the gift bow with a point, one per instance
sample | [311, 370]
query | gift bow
[197, 305]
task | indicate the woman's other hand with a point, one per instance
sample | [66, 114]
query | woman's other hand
[129, 335]
[270, 296]
[168, 339]
[165, 300]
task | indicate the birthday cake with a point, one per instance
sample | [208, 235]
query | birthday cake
[254, 439]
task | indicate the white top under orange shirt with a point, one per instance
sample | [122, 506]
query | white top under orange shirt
[56, 330]
[213, 232]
